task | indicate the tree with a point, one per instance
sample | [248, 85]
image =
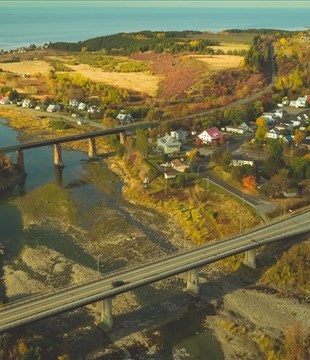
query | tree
[299, 135]
[275, 161]
[249, 182]
[261, 130]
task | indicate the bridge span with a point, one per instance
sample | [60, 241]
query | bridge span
[51, 303]
[56, 142]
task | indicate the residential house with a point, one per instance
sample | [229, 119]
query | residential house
[170, 174]
[246, 127]
[269, 118]
[82, 106]
[301, 101]
[124, 118]
[168, 145]
[179, 135]
[235, 129]
[295, 123]
[5, 100]
[280, 113]
[53, 108]
[27, 103]
[281, 127]
[211, 136]
[273, 134]
[94, 109]
[178, 165]
[73, 103]
[238, 162]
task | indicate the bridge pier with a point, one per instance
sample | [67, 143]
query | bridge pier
[106, 312]
[250, 258]
[20, 159]
[92, 153]
[192, 285]
[57, 156]
[122, 137]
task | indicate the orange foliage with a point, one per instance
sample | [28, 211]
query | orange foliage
[249, 182]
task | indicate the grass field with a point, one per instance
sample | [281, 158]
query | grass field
[220, 62]
[137, 81]
[27, 67]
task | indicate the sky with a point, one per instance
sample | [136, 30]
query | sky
[165, 3]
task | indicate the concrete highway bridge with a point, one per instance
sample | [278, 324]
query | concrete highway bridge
[51, 303]
[91, 136]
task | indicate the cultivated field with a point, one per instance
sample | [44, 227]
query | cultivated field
[231, 47]
[137, 81]
[27, 67]
[220, 62]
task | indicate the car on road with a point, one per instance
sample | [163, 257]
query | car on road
[118, 283]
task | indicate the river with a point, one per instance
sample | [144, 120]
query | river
[183, 335]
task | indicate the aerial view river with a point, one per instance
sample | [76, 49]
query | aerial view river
[108, 233]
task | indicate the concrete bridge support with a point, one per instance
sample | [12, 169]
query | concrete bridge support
[57, 156]
[20, 159]
[192, 285]
[122, 137]
[250, 258]
[92, 153]
[106, 312]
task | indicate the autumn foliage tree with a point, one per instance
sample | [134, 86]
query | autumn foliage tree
[249, 182]
[261, 130]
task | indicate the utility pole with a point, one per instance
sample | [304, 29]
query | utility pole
[98, 264]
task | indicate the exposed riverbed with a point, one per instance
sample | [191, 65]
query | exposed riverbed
[65, 227]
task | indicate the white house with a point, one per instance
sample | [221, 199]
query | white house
[301, 101]
[211, 135]
[269, 118]
[236, 162]
[179, 135]
[26, 103]
[235, 129]
[82, 106]
[73, 103]
[124, 118]
[93, 109]
[53, 108]
[273, 134]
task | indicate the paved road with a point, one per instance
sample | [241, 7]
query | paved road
[45, 305]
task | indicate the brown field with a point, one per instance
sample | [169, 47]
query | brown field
[231, 47]
[138, 81]
[220, 62]
[27, 67]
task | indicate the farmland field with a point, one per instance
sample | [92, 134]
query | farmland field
[220, 62]
[27, 67]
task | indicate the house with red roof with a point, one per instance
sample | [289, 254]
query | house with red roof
[5, 100]
[211, 136]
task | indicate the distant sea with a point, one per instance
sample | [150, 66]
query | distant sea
[22, 25]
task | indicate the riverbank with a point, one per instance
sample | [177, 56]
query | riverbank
[138, 314]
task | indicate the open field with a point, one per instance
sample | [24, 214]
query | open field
[137, 81]
[231, 47]
[27, 67]
[220, 62]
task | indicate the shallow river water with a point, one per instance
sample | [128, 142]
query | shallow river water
[182, 338]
